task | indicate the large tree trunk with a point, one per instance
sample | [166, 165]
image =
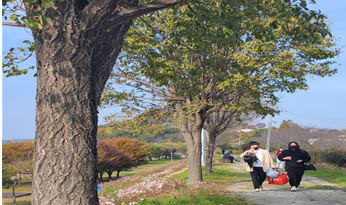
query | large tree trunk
[75, 54]
[210, 153]
[73, 65]
[191, 130]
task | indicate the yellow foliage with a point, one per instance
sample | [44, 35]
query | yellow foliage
[19, 150]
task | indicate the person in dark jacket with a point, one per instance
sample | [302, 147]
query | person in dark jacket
[229, 156]
[223, 151]
[295, 159]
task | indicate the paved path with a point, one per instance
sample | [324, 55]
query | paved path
[10, 195]
[281, 194]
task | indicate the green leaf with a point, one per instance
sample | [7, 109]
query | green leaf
[13, 17]
[47, 18]
[35, 13]
[20, 48]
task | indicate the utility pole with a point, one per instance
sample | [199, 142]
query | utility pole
[269, 130]
[171, 156]
[203, 146]
[240, 135]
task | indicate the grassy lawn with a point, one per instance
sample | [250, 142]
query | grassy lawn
[24, 200]
[20, 189]
[199, 199]
[330, 174]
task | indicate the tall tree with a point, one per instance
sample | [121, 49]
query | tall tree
[77, 43]
[197, 60]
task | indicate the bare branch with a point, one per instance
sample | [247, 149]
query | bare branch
[13, 24]
[133, 12]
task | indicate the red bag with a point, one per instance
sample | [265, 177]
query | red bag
[280, 180]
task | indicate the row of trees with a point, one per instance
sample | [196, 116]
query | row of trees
[244, 58]
[194, 59]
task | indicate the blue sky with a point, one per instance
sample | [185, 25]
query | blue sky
[322, 106]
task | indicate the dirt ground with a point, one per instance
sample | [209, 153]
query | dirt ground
[313, 191]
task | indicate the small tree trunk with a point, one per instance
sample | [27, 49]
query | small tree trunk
[101, 174]
[118, 174]
[14, 193]
[110, 175]
[210, 153]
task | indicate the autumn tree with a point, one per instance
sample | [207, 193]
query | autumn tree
[284, 125]
[111, 159]
[76, 44]
[137, 150]
[19, 150]
[246, 56]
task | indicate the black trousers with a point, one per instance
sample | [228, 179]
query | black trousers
[258, 176]
[295, 175]
[231, 159]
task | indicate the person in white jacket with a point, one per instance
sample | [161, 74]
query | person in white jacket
[260, 166]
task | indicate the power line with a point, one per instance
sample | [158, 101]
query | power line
[314, 117]
[313, 114]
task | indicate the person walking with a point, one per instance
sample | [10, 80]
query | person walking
[279, 163]
[295, 158]
[259, 167]
[223, 151]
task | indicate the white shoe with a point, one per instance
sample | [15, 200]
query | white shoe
[293, 188]
[257, 190]
[261, 188]
[297, 188]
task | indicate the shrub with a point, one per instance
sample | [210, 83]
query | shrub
[334, 155]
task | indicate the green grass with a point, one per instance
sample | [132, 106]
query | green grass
[221, 175]
[152, 164]
[19, 189]
[199, 199]
[329, 173]
[24, 200]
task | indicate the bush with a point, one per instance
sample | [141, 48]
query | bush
[334, 155]
[225, 145]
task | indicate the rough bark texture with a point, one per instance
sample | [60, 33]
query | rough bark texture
[210, 153]
[192, 134]
[75, 55]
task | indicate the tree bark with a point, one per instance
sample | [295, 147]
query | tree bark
[210, 153]
[75, 54]
[191, 130]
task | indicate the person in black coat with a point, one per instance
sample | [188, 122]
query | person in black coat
[295, 159]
